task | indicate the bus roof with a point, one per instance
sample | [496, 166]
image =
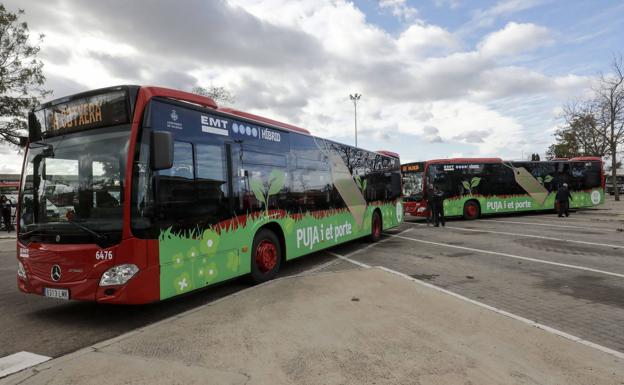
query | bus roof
[262, 119]
[388, 153]
[499, 160]
[586, 159]
[184, 96]
[465, 160]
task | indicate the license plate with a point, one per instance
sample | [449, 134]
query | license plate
[56, 293]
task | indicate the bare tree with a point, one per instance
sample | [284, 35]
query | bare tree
[218, 94]
[608, 109]
[597, 124]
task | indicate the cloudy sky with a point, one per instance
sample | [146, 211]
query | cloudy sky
[438, 78]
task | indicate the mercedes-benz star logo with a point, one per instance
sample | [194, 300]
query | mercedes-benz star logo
[55, 273]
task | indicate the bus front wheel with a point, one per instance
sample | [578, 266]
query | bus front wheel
[471, 210]
[266, 256]
[376, 227]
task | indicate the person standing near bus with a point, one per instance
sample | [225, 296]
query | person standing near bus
[563, 200]
[437, 206]
[429, 198]
[5, 207]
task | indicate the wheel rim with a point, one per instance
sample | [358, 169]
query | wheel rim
[471, 210]
[266, 256]
[376, 226]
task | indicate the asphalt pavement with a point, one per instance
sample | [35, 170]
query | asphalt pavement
[566, 273]
[52, 327]
[563, 273]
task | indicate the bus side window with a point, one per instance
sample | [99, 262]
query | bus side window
[176, 190]
[311, 185]
[257, 170]
[211, 183]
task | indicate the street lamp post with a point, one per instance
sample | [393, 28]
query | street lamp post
[355, 98]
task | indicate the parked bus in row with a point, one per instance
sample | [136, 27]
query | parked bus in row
[475, 186]
[137, 194]
[620, 183]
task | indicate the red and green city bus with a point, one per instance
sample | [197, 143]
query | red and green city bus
[137, 194]
[475, 186]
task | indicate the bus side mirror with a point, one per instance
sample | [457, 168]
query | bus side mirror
[161, 151]
[23, 141]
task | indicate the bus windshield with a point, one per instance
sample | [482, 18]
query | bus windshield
[413, 181]
[413, 184]
[74, 178]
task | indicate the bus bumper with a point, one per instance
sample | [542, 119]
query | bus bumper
[417, 209]
[80, 290]
[135, 291]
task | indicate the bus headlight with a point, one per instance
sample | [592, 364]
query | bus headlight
[21, 272]
[118, 275]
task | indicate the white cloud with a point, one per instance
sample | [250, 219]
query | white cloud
[298, 60]
[399, 8]
[422, 39]
[432, 134]
[515, 39]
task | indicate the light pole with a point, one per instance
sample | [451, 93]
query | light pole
[355, 98]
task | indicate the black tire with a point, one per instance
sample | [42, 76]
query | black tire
[376, 227]
[264, 267]
[472, 210]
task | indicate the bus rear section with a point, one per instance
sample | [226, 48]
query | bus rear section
[139, 194]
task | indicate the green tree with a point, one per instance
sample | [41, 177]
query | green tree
[21, 75]
[566, 145]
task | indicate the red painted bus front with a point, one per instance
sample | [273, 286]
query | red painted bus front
[78, 269]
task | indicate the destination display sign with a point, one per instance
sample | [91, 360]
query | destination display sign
[84, 113]
[411, 167]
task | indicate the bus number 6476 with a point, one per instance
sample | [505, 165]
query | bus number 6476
[103, 255]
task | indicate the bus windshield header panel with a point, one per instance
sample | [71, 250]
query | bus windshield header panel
[413, 167]
[83, 113]
[191, 124]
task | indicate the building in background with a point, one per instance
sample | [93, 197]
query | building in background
[9, 186]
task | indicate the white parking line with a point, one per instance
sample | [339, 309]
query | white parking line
[527, 321]
[527, 236]
[516, 317]
[19, 361]
[346, 257]
[516, 257]
[547, 225]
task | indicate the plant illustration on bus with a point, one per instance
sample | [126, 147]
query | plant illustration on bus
[262, 194]
[474, 182]
[361, 184]
[544, 180]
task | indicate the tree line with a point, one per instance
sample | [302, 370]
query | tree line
[594, 126]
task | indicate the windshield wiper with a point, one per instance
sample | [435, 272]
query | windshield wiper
[31, 232]
[100, 237]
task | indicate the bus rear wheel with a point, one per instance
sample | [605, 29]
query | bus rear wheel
[376, 227]
[471, 210]
[266, 256]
